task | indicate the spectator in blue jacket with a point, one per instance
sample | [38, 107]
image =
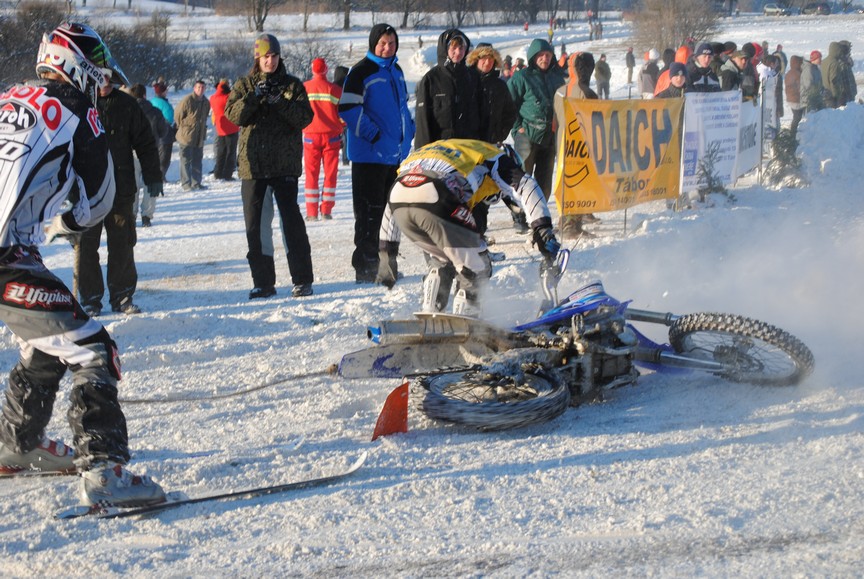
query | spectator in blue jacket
[374, 106]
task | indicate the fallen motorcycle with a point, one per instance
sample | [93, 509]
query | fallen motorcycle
[473, 373]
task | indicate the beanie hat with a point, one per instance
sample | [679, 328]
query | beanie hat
[749, 50]
[377, 32]
[319, 66]
[266, 44]
[677, 68]
[815, 54]
[729, 47]
[653, 54]
[704, 48]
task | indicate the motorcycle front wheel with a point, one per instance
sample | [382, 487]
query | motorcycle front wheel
[749, 351]
[488, 401]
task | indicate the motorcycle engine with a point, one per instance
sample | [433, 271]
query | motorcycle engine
[605, 347]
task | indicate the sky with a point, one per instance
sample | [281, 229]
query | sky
[677, 476]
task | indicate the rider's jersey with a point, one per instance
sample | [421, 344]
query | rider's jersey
[475, 172]
[52, 148]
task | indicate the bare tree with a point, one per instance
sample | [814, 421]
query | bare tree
[258, 10]
[530, 9]
[307, 8]
[667, 23]
[552, 8]
[408, 7]
[19, 38]
[458, 10]
[346, 10]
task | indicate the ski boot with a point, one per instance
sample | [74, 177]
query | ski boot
[110, 484]
[50, 457]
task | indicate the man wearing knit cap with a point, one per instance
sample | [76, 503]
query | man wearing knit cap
[322, 140]
[702, 77]
[272, 109]
[374, 106]
[677, 82]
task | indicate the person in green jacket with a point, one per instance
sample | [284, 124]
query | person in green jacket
[271, 108]
[533, 91]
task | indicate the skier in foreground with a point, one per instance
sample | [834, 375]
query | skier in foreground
[56, 157]
[432, 201]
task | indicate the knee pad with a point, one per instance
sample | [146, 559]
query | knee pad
[104, 364]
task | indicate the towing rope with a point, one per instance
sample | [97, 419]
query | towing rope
[329, 371]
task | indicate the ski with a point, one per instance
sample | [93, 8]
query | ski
[28, 473]
[175, 500]
[283, 449]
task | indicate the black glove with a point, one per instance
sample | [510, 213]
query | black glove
[262, 89]
[274, 91]
[388, 267]
[155, 189]
[546, 242]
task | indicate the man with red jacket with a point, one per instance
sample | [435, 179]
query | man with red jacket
[227, 134]
[322, 140]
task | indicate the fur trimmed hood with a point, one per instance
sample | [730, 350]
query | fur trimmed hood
[485, 51]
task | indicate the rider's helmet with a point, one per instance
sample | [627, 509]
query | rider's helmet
[510, 152]
[78, 54]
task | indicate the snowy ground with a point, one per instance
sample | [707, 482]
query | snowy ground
[678, 476]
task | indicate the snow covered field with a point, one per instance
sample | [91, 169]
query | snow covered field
[678, 476]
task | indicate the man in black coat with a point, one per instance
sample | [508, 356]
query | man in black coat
[497, 110]
[448, 96]
[127, 129]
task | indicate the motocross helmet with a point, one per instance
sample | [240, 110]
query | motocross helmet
[78, 54]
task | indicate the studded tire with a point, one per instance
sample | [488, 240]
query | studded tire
[479, 399]
[750, 351]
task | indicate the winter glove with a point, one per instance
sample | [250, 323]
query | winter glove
[262, 89]
[274, 91]
[155, 189]
[546, 242]
[388, 267]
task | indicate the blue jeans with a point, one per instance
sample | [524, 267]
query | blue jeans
[191, 159]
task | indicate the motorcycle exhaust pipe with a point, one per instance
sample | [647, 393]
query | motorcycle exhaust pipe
[427, 331]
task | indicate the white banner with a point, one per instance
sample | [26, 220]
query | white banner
[749, 132]
[710, 137]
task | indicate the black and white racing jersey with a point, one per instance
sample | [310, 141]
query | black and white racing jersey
[52, 148]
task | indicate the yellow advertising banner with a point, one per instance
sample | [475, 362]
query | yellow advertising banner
[613, 154]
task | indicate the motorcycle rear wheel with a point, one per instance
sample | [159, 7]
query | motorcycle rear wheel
[750, 351]
[486, 401]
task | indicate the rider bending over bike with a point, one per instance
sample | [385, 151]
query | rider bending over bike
[432, 200]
